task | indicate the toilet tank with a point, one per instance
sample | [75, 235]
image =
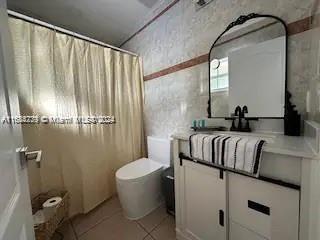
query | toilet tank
[159, 150]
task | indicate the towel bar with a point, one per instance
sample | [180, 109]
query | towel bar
[182, 157]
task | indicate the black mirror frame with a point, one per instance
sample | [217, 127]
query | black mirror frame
[241, 20]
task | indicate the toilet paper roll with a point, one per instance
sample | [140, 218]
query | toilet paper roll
[39, 217]
[49, 206]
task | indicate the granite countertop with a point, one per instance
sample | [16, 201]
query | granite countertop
[276, 143]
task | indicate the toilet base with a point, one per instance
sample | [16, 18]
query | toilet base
[140, 197]
[137, 218]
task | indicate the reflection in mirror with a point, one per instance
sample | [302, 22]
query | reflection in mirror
[215, 63]
[248, 67]
[219, 75]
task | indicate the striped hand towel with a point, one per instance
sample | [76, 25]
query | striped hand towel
[242, 154]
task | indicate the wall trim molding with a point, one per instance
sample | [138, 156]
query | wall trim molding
[151, 21]
[296, 27]
[178, 67]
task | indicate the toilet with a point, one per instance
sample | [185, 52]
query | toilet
[139, 182]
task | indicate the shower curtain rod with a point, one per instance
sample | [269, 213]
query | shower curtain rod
[65, 31]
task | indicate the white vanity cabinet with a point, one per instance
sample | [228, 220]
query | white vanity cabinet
[222, 205]
[202, 201]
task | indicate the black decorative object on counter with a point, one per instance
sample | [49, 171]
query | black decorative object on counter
[292, 119]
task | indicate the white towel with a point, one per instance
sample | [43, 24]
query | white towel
[250, 154]
[217, 149]
[196, 145]
[240, 154]
[257, 158]
[226, 153]
[193, 145]
[199, 146]
[197, 149]
[201, 140]
[231, 147]
[207, 148]
[212, 147]
[223, 146]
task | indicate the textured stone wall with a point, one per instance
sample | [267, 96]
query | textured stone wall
[182, 33]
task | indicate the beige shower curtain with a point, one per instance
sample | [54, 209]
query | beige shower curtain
[62, 76]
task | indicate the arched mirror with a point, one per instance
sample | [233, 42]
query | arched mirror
[248, 67]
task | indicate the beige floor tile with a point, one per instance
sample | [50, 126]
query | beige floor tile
[83, 223]
[116, 227]
[152, 220]
[166, 230]
[148, 238]
[67, 232]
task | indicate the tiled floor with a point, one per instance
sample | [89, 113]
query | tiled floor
[108, 222]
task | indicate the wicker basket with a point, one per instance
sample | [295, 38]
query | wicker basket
[45, 231]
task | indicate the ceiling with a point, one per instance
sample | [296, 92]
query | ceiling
[110, 21]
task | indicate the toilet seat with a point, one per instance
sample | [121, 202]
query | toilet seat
[138, 169]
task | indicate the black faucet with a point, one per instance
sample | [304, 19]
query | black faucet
[240, 113]
[246, 127]
[244, 110]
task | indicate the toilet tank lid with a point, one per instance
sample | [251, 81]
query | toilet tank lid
[137, 169]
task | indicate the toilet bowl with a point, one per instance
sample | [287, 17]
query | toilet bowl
[139, 182]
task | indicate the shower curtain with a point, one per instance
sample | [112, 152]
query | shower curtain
[62, 76]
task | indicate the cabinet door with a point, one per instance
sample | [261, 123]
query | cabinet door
[270, 210]
[203, 202]
[238, 232]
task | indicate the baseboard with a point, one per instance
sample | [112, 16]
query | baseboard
[181, 236]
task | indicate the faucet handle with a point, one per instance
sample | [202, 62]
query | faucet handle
[244, 109]
[237, 111]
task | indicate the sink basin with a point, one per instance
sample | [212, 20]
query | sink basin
[269, 138]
